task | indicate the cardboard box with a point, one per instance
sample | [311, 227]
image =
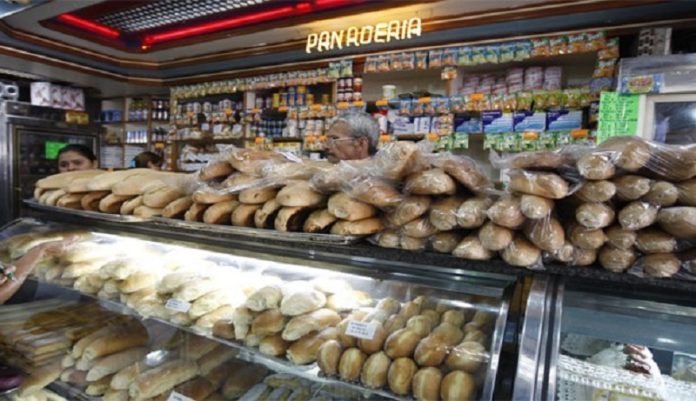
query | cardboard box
[496, 121]
[529, 121]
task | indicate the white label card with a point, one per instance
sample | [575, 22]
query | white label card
[177, 305]
[174, 396]
[363, 330]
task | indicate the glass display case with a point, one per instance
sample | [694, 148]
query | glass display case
[330, 329]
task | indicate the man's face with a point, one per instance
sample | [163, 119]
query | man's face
[341, 146]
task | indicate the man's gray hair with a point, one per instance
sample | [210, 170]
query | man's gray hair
[360, 124]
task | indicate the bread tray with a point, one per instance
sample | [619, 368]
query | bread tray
[332, 239]
[113, 218]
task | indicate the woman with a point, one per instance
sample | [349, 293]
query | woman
[147, 160]
[76, 157]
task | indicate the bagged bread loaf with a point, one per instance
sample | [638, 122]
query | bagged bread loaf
[443, 213]
[209, 195]
[547, 185]
[300, 194]
[521, 252]
[594, 215]
[430, 182]
[535, 207]
[472, 213]
[631, 187]
[463, 169]
[214, 170]
[220, 213]
[637, 215]
[252, 162]
[374, 191]
[445, 242]
[411, 208]
[367, 226]
[654, 240]
[596, 191]
[506, 212]
[597, 165]
[621, 238]
[615, 259]
[546, 234]
[471, 248]
[660, 265]
[178, 207]
[387, 239]
[662, 193]
[419, 228]
[628, 153]
[395, 160]
[586, 238]
[687, 192]
[257, 196]
[678, 221]
[345, 208]
[319, 221]
[672, 163]
[493, 237]
[239, 182]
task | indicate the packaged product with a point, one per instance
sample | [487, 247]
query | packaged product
[610, 51]
[540, 47]
[533, 78]
[408, 61]
[478, 55]
[507, 52]
[464, 56]
[596, 41]
[493, 54]
[523, 50]
[395, 62]
[558, 45]
[605, 68]
[383, 63]
[435, 58]
[422, 60]
[449, 57]
[552, 78]
[577, 43]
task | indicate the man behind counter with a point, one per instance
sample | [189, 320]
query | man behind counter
[352, 136]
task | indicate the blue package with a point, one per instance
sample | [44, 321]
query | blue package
[529, 121]
[563, 119]
[496, 121]
[467, 124]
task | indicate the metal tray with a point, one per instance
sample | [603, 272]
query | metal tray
[258, 232]
[113, 218]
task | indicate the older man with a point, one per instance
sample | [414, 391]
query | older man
[352, 136]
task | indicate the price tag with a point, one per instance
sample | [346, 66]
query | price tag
[174, 396]
[177, 305]
[363, 330]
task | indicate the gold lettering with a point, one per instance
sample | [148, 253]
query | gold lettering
[366, 34]
[404, 27]
[324, 41]
[352, 36]
[380, 32]
[337, 39]
[312, 41]
[414, 27]
[393, 30]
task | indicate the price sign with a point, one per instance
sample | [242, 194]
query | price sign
[174, 396]
[363, 330]
[177, 305]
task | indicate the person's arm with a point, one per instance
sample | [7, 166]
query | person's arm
[15, 275]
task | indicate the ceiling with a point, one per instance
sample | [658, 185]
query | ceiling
[52, 50]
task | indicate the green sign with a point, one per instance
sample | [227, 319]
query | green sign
[51, 149]
[618, 115]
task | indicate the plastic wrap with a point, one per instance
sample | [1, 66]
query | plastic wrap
[445, 242]
[586, 238]
[596, 191]
[535, 207]
[386, 239]
[615, 259]
[572, 255]
[621, 238]
[546, 234]
[374, 191]
[472, 213]
[411, 208]
[561, 159]
[494, 237]
[506, 212]
[443, 213]
[662, 193]
[396, 160]
[471, 248]
[631, 187]
[547, 185]
[430, 182]
[678, 221]
[522, 253]
[594, 215]
[463, 169]
[687, 192]
[253, 162]
[637, 215]
[659, 265]
[419, 228]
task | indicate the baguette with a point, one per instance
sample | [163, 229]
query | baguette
[215, 358]
[128, 207]
[41, 377]
[210, 319]
[197, 389]
[123, 379]
[300, 194]
[177, 208]
[104, 182]
[80, 346]
[62, 180]
[113, 363]
[162, 378]
[129, 336]
[99, 387]
[215, 169]
[344, 207]
[138, 184]
[243, 215]
[195, 212]
[70, 201]
[314, 321]
[91, 200]
[367, 226]
[112, 203]
[219, 213]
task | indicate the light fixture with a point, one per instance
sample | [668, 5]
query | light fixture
[88, 25]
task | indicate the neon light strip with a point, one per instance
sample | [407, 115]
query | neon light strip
[88, 25]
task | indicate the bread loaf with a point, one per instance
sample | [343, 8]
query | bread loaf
[376, 192]
[161, 197]
[209, 196]
[178, 207]
[662, 193]
[631, 187]
[419, 228]
[506, 213]
[112, 203]
[594, 215]
[394, 323]
[191, 291]
[596, 191]
[146, 211]
[111, 364]
[375, 370]
[301, 302]
[466, 171]
[291, 218]
[400, 375]
[245, 376]
[447, 333]
[304, 350]
[215, 358]
[430, 351]
[314, 321]
[630, 154]
[546, 234]
[443, 213]
[257, 196]
[472, 212]
[587, 239]
[219, 213]
[421, 324]
[162, 378]
[319, 221]
[637, 215]
[409, 209]
[115, 395]
[654, 240]
[535, 207]
[547, 185]
[267, 297]
[40, 378]
[426, 384]
[468, 356]
[123, 379]
[396, 159]
[351, 363]
[70, 201]
[621, 238]
[98, 388]
[130, 336]
[213, 300]
[197, 389]
[661, 265]
[215, 169]
[678, 221]
[62, 180]
[445, 242]
[596, 166]
[413, 244]
[268, 323]
[344, 207]
[401, 343]
[90, 201]
[224, 328]
[521, 253]
[300, 194]
[616, 260]
[367, 226]
[430, 182]
[494, 237]
[235, 183]
[273, 345]
[472, 248]
[264, 217]
[457, 386]
[243, 215]
[373, 345]
[195, 347]
[328, 356]
[196, 212]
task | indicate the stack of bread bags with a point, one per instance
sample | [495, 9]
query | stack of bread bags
[420, 348]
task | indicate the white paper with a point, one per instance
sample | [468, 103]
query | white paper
[174, 396]
[178, 305]
[363, 330]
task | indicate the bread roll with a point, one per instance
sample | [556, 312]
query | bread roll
[161, 197]
[291, 218]
[196, 212]
[494, 237]
[61, 180]
[257, 196]
[584, 257]
[409, 209]
[115, 395]
[305, 350]
[413, 244]
[631, 187]
[300, 194]
[209, 196]
[267, 297]
[123, 379]
[133, 335]
[468, 356]
[616, 260]
[396, 159]
[621, 238]
[40, 378]
[388, 304]
[472, 212]
[268, 323]
[215, 358]
[596, 166]
[245, 376]
[506, 213]
[476, 336]
[112, 203]
[346, 208]
[252, 161]
[443, 213]
[401, 343]
[430, 182]
[235, 183]
[466, 171]
[678, 221]
[319, 221]
[373, 345]
[111, 364]
[594, 215]
[314, 321]
[596, 191]
[457, 386]
[376, 192]
[419, 228]
[687, 192]
[547, 185]
[631, 153]
[162, 378]
[264, 217]
[300, 302]
[351, 363]
[661, 265]
[421, 324]
[637, 215]
[400, 375]
[191, 291]
[219, 213]
[430, 351]
[273, 345]
[587, 239]
[394, 323]
[448, 333]
[215, 169]
[654, 240]
[328, 356]
[426, 384]
[224, 328]
[70, 201]
[197, 389]
[98, 388]
[177, 208]
[213, 300]
[535, 207]
[454, 317]
[662, 193]
[445, 242]
[367, 226]
[472, 248]
[90, 201]
[348, 300]
[243, 215]
[375, 370]
[521, 253]
[546, 234]
[146, 211]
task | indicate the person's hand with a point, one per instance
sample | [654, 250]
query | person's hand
[55, 248]
[640, 360]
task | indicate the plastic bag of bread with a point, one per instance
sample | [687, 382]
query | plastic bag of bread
[419, 228]
[586, 238]
[522, 253]
[628, 153]
[298, 169]
[597, 165]
[621, 238]
[443, 213]
[662, 193]
[654, 240]
[637, 215]
[687, 192]
[547, 185]
[471, 248]
[535, 207]
[334, 178]
[506, 212]
[430, 182]
[396, 160]
[596, 191]
[367, 226]
[463, 169]
[215, 169]
[679, 221]
[594, 215]
[251, 161]
[631, 187]
[300, 194]
[209, 194]
[672, 163]
[571, 255]
[374, 191]
[494, 237]
[659, 265]
[411, 208]
[344, 207]
[412, 243]
[546, 234]
[615, 259]
[387, 239]
[563, 157]
[445, 242]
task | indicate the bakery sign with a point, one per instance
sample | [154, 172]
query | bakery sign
[383, 32]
